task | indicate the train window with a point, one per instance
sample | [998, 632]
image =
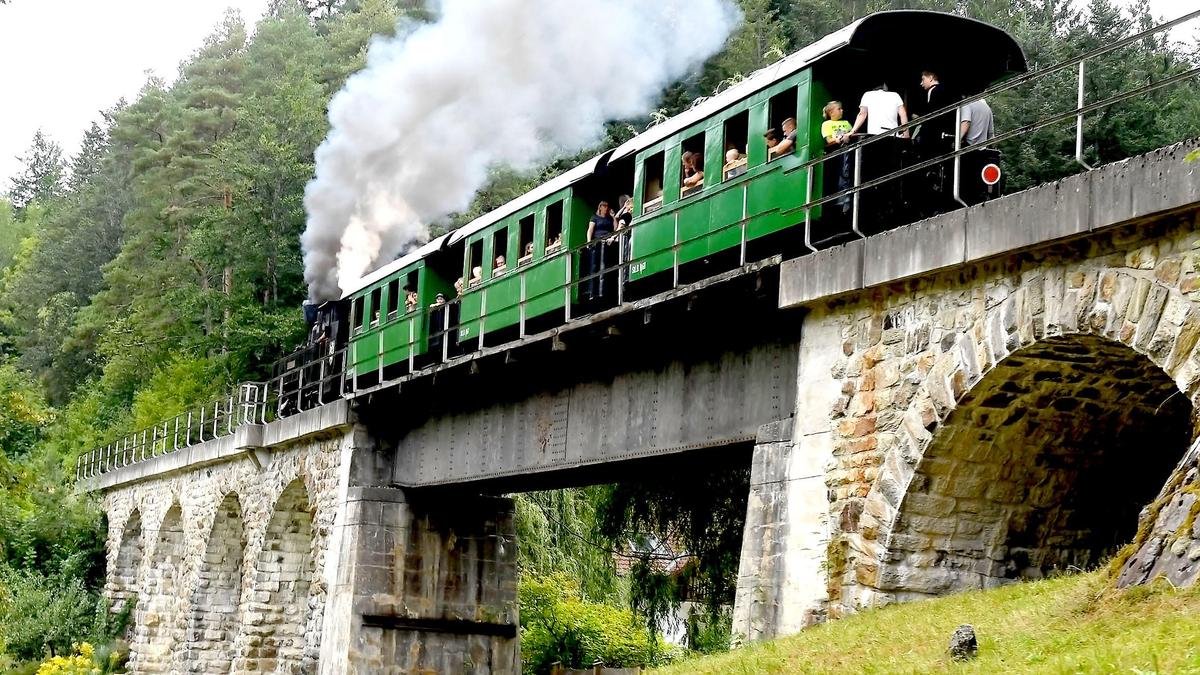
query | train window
[554, 227]
[500, 252]
[410, 292]
[526, 240]
[691, 177]
[376, 296]
[475, 273]
[393, 303]
[360, 316]
[737, 134]
[782, 106]
[652, 192]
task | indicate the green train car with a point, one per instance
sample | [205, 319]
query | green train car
[528, 266]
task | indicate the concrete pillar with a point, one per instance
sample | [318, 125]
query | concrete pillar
[782, 577]
[424, 583]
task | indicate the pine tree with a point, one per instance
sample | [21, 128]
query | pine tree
[42, 175]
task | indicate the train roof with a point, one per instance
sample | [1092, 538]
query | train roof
[881, 31]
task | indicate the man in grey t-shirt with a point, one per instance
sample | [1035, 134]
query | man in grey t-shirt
[976, 124]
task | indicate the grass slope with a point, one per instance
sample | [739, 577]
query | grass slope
[1071, 624]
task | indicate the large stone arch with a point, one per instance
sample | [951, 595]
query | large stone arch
[276, 618]
[157, 631]
[217, 594]
[122, 583]
[1043, 465]
[925, 364]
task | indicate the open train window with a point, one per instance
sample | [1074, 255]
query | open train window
[737, 135]
[475, 273]
[652, 192]
[782, 106]
[376, 296]
[554, 227]
[526, 240]
[360, 315]
[500, 252]
[410, 291]
[393, 302]
[691, 177]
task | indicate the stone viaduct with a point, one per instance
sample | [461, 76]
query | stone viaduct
[994, 394]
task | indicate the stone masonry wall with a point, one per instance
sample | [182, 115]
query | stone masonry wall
[921, 404]
[191, 551]
[1002, 420]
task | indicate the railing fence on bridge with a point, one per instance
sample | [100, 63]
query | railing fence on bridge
[324, 379]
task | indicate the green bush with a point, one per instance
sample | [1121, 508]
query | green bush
[558, 625]
[47, 614]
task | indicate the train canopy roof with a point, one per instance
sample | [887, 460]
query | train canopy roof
[969, 54]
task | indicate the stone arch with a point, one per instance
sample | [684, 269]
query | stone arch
[275, 619]
[123, 578]
[157, 631]
[1125, 347]
[1043, 465]
[216, 597]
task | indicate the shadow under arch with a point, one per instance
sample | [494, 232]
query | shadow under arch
[123, 580]
[212, 626]
[279, 601]
[1043, 465]
[155, 632]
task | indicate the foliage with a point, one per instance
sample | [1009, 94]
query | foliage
[83, 660]
[702, 512]
[41, 177]
[48, 613]
[1069, 624]
[557, 624]
[1193, 156]
[557, 534]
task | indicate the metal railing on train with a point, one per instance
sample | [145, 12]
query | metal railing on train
[324, 379]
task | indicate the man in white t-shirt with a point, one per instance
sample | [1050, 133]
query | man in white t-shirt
[881, 110]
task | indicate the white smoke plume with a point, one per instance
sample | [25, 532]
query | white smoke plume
[490, 83]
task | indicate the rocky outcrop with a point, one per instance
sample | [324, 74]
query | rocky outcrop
[1168, 541]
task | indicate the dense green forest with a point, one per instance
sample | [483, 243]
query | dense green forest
[160, 264]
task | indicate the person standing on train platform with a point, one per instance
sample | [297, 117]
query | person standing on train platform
[935, 136]
[836, 132]
[600, 228]
[881, 110]
[976, 125]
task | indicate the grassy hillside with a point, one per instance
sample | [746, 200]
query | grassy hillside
[1066, 625]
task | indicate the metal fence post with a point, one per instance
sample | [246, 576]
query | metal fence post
[807, 213]
[1079, 121]
[857, 192]
[958, 139]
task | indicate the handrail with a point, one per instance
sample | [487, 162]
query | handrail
[325, 378]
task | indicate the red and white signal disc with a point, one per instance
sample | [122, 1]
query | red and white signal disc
[990, 174]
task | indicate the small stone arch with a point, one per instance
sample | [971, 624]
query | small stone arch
[277, 613]
[964, 500]
[1042, 466]
[212, 625]
[157, 631]
[123, 578]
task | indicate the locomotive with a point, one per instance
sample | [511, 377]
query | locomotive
[527, 267]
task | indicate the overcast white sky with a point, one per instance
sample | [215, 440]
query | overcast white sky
[61, 61]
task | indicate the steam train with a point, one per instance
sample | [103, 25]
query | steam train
[526, 266]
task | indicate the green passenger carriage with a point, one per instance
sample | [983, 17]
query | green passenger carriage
[677, 235]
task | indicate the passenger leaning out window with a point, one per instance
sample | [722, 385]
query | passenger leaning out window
[693, 172]
[788, 144]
